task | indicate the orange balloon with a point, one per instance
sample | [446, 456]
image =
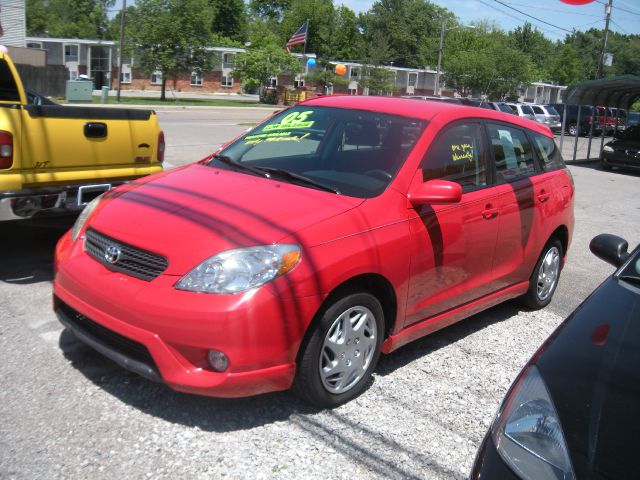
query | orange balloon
[341, 69]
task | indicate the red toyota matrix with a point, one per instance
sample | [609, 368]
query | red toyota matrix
[337, 229]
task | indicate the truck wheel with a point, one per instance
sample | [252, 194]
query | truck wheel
[544, 279]
[336, 362]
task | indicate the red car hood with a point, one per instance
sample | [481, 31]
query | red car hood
[192, 213]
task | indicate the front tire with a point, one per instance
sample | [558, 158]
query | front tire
[337, 361]
[545, 276]
[573, 130]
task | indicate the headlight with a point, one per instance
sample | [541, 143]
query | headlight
[242, 269]
[608, 148]
[527, 432]
[82, 218]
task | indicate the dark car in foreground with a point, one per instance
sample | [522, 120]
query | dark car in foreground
[623, 151]
[572, 413]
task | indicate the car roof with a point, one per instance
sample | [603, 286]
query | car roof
[426, 110]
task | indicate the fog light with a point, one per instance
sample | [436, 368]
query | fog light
[217, 360]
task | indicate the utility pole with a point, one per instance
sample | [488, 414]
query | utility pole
[436, 87]
[122, 23]
[607, 10]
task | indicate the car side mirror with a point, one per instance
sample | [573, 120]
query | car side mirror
[436, 191]
[610, 248]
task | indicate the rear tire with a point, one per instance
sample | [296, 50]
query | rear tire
[545, 276]
[573, 130]
[336, 362]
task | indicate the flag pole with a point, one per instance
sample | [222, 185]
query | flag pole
[304, 48]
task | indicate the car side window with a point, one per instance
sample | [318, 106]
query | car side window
[457, 155]
[548, 152]
[512, 153]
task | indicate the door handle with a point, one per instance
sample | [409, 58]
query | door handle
[543, 196]
[489, 212]
[95, 130]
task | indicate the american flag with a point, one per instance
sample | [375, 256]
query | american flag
[298, 38]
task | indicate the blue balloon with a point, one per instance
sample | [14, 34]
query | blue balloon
[311, 62]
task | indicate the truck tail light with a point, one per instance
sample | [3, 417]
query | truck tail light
[161, 147]
[6, 150]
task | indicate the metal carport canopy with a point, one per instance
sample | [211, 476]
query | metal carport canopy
[619, 92]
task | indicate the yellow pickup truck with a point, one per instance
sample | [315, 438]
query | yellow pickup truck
[56, 158]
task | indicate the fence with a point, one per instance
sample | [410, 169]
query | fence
[50, 80]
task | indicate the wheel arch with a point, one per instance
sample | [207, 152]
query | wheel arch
[373, 283]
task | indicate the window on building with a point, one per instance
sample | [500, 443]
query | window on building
[228, 59]
[355, 73]
[412, 79]
[352, 91]
[156, 78]
[227, 81]
[196, 79]
[298, 81]
[71, 53]
[272, 82]
[34, 45]
[125, 77]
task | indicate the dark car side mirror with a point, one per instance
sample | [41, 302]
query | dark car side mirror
[610, 248]
[436, 191]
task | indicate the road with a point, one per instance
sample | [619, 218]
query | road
[65, 412]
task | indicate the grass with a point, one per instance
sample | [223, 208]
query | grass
[187, 102]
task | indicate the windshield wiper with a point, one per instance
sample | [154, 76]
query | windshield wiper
[280, 172]
[228, 161]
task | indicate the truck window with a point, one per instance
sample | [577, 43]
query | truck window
[8, 87]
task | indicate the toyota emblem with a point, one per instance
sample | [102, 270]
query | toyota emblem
[112, 254]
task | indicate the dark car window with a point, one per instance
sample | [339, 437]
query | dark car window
[551, 110]
[526, 109]
[8, 87]
[631, 133]
[537, 109]
[512, 152]
[457, 155]
[548, 152]
[355, 152]
[505, 108]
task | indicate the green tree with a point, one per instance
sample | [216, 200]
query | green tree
[536, 46]
[171, 36]
[230, 19]
[256, 66]
[346, 42]
[321, 15]
[68, 18]
[411, 29]
[270, 10]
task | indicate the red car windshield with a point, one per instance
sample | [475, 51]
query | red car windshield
[352, 152]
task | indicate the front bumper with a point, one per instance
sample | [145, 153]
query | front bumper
[164, 334]
[621, 159]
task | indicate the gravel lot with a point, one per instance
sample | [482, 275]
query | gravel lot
[66, 412]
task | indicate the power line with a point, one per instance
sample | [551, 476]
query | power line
[519, 19]
[553, 9]
[531, 16]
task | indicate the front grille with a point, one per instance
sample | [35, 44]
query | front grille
[116, 342]
[131, 260]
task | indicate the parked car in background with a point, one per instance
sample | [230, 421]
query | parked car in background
[572, 413]
[575, 127]
[623, 151]
[55, 159]
[501, 107]
[470, 102]
[620, 117]
[606, 119]
[633, 119]
[337, 229]
[522, 110]
[548, 116]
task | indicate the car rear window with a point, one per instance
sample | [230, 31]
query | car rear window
[552, 111]
[548, 152]
[8, 87]
[537, 109]
[355, 152]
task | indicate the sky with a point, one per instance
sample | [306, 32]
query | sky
[625, 15]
